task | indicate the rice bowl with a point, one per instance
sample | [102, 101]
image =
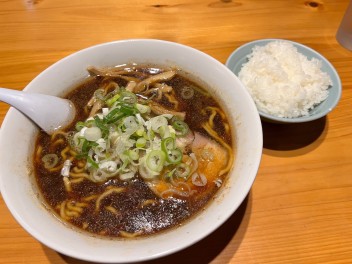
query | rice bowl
[301, 105]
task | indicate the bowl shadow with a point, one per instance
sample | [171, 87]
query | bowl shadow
[204, 251]
[293, 136]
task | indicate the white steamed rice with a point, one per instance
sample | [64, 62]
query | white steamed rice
[282, 81]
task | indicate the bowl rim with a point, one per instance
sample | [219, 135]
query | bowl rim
[255, 164]
[302, 119]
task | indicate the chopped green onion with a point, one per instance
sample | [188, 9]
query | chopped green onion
[167, 144]
[92, 133]
[114, 116]
[92, 162]
[130, 122]
[140, 132]
[87, 145]
[187, 92]
[50, 160]
[127, 109]
[126, 135]
[89, 123]
[100, 123]
[169, 174]
[149, 135]
[128, 97]
[174, 156]
[157, 122]
[109, 102]
[164, 131]
[79, 125]
[155, 160]
[182, 171]
[180, 127]
[133, 154]
[143, 109]
[140, 143]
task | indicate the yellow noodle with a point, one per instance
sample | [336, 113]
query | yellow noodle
[58, 142]
[213, 112]
[172, 99]
[77, 180]
[107, 193]
[77, 169]
[103, 232]
[130, 235]
[62, 210]
[91, 197]
[213, 134]
[67, 184]
[112, 209]
[64, 153]
[148, 202]
[57, 168]
[79, 175]
[38, 153]
[71, 213]
[227, 128]
[69, 209]
[81, 164]
[70, 206]
[81, 204]
[218, 110]
[58, 133]
[166, 193]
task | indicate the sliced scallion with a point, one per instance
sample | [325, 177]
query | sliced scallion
[109, 102]
[114, 116]
[128, 97]
[182, 171]
[155, 160]
[174, 156]
[79, 125]
[50, 160]
[92, 162]
[167, 144]
[140, 143]
[133, 154]
[100, 123]
[143, 109]
[180, 127]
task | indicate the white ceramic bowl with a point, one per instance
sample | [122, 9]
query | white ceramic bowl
[17, 141]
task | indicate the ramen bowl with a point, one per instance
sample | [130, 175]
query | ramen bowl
[21, 194]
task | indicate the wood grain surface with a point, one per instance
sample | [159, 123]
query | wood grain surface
[300, 207]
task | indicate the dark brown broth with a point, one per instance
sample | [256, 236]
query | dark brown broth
[132, 217]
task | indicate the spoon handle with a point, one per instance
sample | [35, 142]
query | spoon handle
[48, 112]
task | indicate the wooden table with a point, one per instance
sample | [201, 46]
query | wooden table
[300, 207]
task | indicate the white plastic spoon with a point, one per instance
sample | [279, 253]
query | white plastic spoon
[50, 113]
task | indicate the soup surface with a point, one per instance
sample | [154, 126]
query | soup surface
[148, 149]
